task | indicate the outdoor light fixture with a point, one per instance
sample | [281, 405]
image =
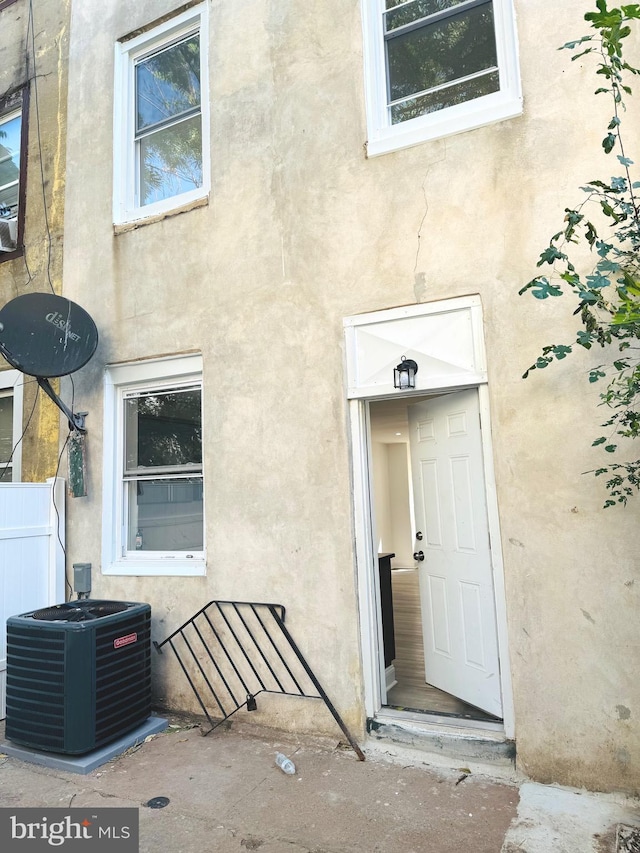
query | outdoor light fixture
[404, 375]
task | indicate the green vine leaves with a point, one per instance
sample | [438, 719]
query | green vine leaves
[608, 222]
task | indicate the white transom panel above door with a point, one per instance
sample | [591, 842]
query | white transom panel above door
[447, 345]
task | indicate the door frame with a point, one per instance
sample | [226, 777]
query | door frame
[363, 388]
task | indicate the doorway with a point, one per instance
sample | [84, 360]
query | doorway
[432, 540]
[446, 341]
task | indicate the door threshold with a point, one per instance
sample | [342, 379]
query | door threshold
[449, 741]
[428, 719]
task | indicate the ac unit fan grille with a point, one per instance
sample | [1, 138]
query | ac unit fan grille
[35, 685]
[123, 676]
[78, 612]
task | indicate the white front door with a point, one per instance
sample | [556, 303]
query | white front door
[456, 576]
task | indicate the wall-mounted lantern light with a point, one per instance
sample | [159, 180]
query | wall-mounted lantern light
[404, 375]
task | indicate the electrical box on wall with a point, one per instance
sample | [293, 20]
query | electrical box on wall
[82, 578]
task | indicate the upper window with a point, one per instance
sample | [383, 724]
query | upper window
[161, 118]
[12, 173]
[437, 67]
[154, 506]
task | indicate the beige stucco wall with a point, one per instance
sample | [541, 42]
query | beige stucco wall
[22, 56]
[300, 231]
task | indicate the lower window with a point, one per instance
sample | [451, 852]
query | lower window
[153, 444]
[11, 383]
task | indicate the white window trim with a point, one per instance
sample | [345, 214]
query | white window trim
[125, 208]
[13, 381]
[179, 369]
[5, 118]
[384, 137]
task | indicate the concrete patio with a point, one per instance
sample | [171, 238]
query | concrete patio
[226, 794]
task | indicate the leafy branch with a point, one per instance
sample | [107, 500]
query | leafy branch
[608, 222]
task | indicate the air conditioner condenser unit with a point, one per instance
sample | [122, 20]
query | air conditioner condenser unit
[78, 674]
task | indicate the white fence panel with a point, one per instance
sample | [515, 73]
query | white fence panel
[32, 560]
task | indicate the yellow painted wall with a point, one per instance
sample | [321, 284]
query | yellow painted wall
[34, 41]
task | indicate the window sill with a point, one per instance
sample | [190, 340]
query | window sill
[449, 122]
[157, 568]
[124, 227]
[12, 256]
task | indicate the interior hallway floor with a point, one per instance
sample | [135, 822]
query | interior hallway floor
[412, 693]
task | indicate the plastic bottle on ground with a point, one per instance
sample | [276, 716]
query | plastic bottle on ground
[285, 764]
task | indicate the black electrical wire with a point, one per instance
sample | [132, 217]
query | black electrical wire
[67, 584]
[34, 78]
[30, 24]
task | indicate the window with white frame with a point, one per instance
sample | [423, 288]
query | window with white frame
[11, 385]
[437, 67]
[161, 118]
[12, 172]
[153, 489]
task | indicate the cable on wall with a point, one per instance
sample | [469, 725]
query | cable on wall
[67, 584]
[34, 79]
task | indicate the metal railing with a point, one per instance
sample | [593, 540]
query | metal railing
[232, 651]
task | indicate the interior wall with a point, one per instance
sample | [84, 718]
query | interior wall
[400, 508]
[391, 470]
[382, 496]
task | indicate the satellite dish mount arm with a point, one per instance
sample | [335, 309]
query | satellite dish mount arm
[76, 421]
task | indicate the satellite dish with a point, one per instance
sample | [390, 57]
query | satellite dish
[44, 335]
